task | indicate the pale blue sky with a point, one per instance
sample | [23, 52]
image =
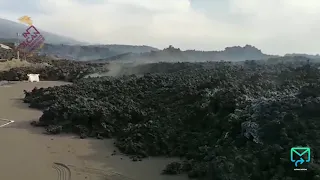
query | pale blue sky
[275, 26]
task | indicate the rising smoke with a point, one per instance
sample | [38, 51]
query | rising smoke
[125, 67]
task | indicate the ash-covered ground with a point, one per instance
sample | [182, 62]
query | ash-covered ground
[226, 121]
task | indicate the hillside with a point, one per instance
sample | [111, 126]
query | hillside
[8, 30]
[78, 53]
[315, 57]
[92, 52]
[84, 53]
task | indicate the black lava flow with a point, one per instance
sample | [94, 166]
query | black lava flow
[225, 121]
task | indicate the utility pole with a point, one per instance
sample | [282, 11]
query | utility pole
[18, 53]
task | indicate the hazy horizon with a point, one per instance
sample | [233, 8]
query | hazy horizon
[274, 26]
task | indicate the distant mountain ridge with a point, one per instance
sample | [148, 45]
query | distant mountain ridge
[172, 54]
[127, 53]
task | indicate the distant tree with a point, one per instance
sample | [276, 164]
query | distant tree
[172, 49]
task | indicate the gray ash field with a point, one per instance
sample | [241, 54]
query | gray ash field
[225, 121]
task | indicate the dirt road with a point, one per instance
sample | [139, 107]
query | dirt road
[26, 153]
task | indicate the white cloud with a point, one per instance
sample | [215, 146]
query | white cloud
[275, 26]
[128, 21]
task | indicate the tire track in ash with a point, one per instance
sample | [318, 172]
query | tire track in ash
[58, 171]
[64, 173]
